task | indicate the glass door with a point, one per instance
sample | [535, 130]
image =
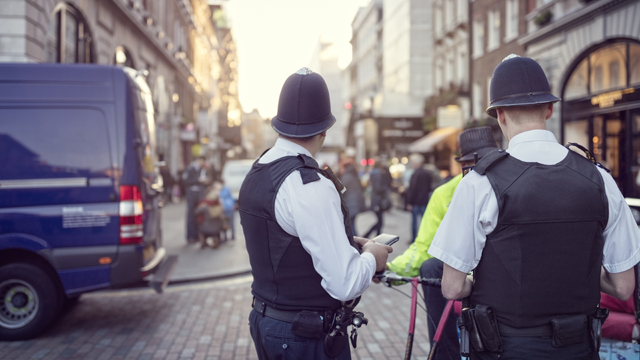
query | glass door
[609, 139]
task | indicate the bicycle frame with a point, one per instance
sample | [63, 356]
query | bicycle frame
[413, 307]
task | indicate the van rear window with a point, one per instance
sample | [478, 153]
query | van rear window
[53, 143]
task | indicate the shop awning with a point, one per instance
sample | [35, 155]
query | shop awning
[426, 143]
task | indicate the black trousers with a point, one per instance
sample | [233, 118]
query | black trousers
[538, 348]
[449, 346]
[377, 227]
[274, 340]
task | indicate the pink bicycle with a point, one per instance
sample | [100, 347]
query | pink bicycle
[389, 278]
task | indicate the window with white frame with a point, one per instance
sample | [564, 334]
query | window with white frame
[462, 67]
[449, 13]
[477, 101]
[488, 102]
[438, 18]
[478, 38]
[448, 71]
[439, 74]
[511, 20]
[493, 23]
[462, 11]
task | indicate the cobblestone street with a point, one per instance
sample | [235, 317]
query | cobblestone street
[205, 320]
[203, 313]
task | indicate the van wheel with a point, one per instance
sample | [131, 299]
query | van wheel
[29, 301]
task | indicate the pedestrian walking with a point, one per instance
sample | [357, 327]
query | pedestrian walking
[306, 265]
[354, 195]
[474, 142]
[418, 192]
[543, 228]
[380, 183]
[193, 179]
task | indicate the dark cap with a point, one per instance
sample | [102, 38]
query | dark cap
[476, 140]
[304, 108]
[518, 81]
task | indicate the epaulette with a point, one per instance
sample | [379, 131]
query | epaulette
[309, 172]
[491, 158]
[588, 155]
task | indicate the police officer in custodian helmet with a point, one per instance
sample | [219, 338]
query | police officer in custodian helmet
[307, 267]
[544, 230]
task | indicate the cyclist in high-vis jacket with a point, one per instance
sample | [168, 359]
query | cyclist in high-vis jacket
[416, 260]
[544, 229]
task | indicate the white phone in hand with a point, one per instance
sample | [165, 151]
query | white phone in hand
[386, 239]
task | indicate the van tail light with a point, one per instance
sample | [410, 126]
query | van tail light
[130, 215]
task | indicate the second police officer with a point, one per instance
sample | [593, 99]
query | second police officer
[305, 262]
[544, 229]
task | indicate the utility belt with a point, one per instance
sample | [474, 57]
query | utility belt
[330, 324]
[326, 317]
[480, 331]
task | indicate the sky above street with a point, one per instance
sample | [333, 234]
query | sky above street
[275, 38]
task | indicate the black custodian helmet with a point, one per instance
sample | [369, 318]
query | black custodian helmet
[518, 81]
[304, 108]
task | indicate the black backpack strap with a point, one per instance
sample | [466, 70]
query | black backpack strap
[587, 154]
[488, 160]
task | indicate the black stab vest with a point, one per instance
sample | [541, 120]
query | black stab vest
[283, 272]
[543, 258]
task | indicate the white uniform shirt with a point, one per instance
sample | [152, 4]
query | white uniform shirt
[473, 213]
[312, 213]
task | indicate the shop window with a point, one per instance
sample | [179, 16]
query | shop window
[577, 85]
[614, 74]
[68, 37]
[577, 131]
[602, 77]
[611, 67]
[634, 64]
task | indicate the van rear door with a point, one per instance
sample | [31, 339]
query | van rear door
[150, 181]
[57, 190]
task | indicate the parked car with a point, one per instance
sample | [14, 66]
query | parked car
[233, 174]
[79, 189]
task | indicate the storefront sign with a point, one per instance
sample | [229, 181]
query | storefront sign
[398, 133]
[608, 99]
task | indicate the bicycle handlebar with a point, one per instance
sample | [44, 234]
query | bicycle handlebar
[387, 277]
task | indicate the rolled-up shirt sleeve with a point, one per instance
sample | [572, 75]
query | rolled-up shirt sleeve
[621, 236]
[312, 212]
[471, 216]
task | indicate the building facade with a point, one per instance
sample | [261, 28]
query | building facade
[503, 22]
[590, 51]
[407, 55]
[364, 78]
[324, 61]
[173, 42]
[446, 110]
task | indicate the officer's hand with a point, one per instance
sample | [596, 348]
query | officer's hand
[360, 241]
[380, 253]
[377, 280]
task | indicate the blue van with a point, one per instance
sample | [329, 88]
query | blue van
[79, 189]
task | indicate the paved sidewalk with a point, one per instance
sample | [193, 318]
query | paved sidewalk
[231, 257]
[195, 263]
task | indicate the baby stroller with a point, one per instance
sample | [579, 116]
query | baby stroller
[211, 219]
